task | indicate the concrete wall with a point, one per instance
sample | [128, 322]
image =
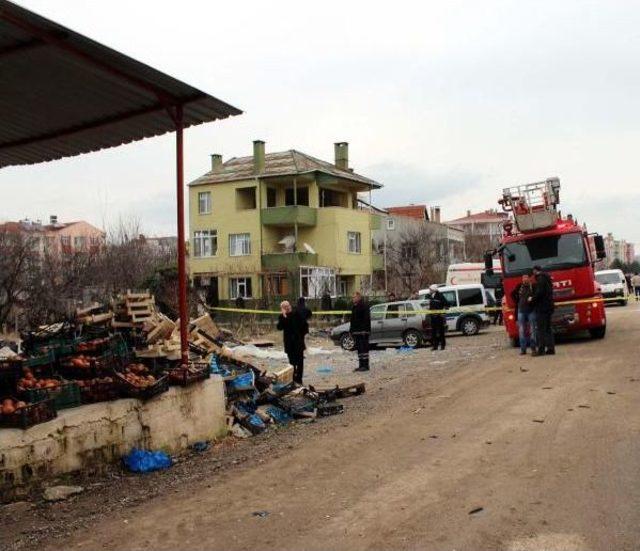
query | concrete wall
[86, 437]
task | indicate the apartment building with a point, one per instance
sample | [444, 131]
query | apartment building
[282, 224]
[59, 237]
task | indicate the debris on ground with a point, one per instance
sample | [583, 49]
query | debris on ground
[60, 493]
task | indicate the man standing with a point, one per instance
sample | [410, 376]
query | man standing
[360, 328]
[525, 315]
[542, 302]
[635, 283]
[292, 326]
[437, 303]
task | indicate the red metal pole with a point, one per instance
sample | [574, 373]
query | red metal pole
[182, 263]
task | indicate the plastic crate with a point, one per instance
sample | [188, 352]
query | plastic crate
[10, 372]
[30, 415]
[99, 391]
[67, 395]
[187, 376]
[142, 393]
[47, 358]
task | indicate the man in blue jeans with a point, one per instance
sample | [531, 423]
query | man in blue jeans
[526, 315]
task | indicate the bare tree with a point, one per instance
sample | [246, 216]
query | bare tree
[476, 245]
[415, 259]
[18, 256]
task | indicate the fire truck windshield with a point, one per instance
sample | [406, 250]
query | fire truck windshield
[555, 252]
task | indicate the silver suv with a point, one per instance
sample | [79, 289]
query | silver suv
[392, 323]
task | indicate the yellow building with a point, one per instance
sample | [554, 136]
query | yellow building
[281, 224]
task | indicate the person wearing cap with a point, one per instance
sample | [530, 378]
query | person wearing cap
[542, 302]
[437, 303]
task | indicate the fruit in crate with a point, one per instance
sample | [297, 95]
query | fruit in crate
[10, 406]
[138, 375]
[29, 382]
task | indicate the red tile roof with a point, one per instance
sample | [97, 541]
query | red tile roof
[486, 216]
[411, 211]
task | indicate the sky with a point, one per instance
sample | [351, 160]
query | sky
[443, 102]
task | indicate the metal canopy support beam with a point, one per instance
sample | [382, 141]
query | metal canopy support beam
[182, 264]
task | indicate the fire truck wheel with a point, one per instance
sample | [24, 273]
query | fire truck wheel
[598, 332]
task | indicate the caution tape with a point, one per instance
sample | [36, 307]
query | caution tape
[415, 312]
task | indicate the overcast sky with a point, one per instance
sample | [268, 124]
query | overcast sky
[442, 102]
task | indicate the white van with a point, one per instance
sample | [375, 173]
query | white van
[468, 303]
[469, 272]
[613, 285]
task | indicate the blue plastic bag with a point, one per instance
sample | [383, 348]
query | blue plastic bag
[142, 461]
[242, 382]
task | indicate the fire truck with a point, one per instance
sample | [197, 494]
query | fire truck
[537, 235]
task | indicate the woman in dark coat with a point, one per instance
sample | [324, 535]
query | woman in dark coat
[292, 325]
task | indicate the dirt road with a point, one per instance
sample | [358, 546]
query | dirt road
[546, 451]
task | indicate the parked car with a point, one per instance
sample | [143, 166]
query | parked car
[468, 303]
[613, 284]
[392, 323]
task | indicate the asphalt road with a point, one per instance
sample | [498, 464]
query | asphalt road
[494, 451]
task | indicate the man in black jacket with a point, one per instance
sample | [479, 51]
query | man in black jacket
[360, 328]
[292, 324]
[437, 302]
[542, 301]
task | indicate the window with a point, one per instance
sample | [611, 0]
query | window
[271, 197]
[302, 196]
[246, 198]
[65, 241]
[395, 311]
[391, 224]
[240, 287]
[354, 244]
[470, 297]
[205, 243]
[317, 281]
[79, 242]
[204, 202]
[239, 244]
[557, 252]
[377, 312]
[276, 285]
[94, 241]
[408, 251]
[332, 198]
[450, 297]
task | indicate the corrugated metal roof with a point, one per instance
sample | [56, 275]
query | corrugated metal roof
[284, 163]
[63, 94]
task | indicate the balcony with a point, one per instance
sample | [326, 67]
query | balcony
[377, 262]
[288, 216]
[288, 261]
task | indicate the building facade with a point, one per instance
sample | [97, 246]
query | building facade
[59, 237]
[618, 250]
[280, 225]
[483, 231]
[416, 248]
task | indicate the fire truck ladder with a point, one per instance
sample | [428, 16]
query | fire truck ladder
[533, 205]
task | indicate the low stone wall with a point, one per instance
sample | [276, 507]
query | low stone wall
[87, 437]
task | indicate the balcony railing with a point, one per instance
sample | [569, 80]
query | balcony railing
[289, 216]
[288, 261]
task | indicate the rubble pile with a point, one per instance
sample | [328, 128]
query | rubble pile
[128, 348]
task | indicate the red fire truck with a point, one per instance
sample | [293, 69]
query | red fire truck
[539, 236]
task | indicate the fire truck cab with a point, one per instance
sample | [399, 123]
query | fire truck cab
[539, 236]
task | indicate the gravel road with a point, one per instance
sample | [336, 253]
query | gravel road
[474, 448]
